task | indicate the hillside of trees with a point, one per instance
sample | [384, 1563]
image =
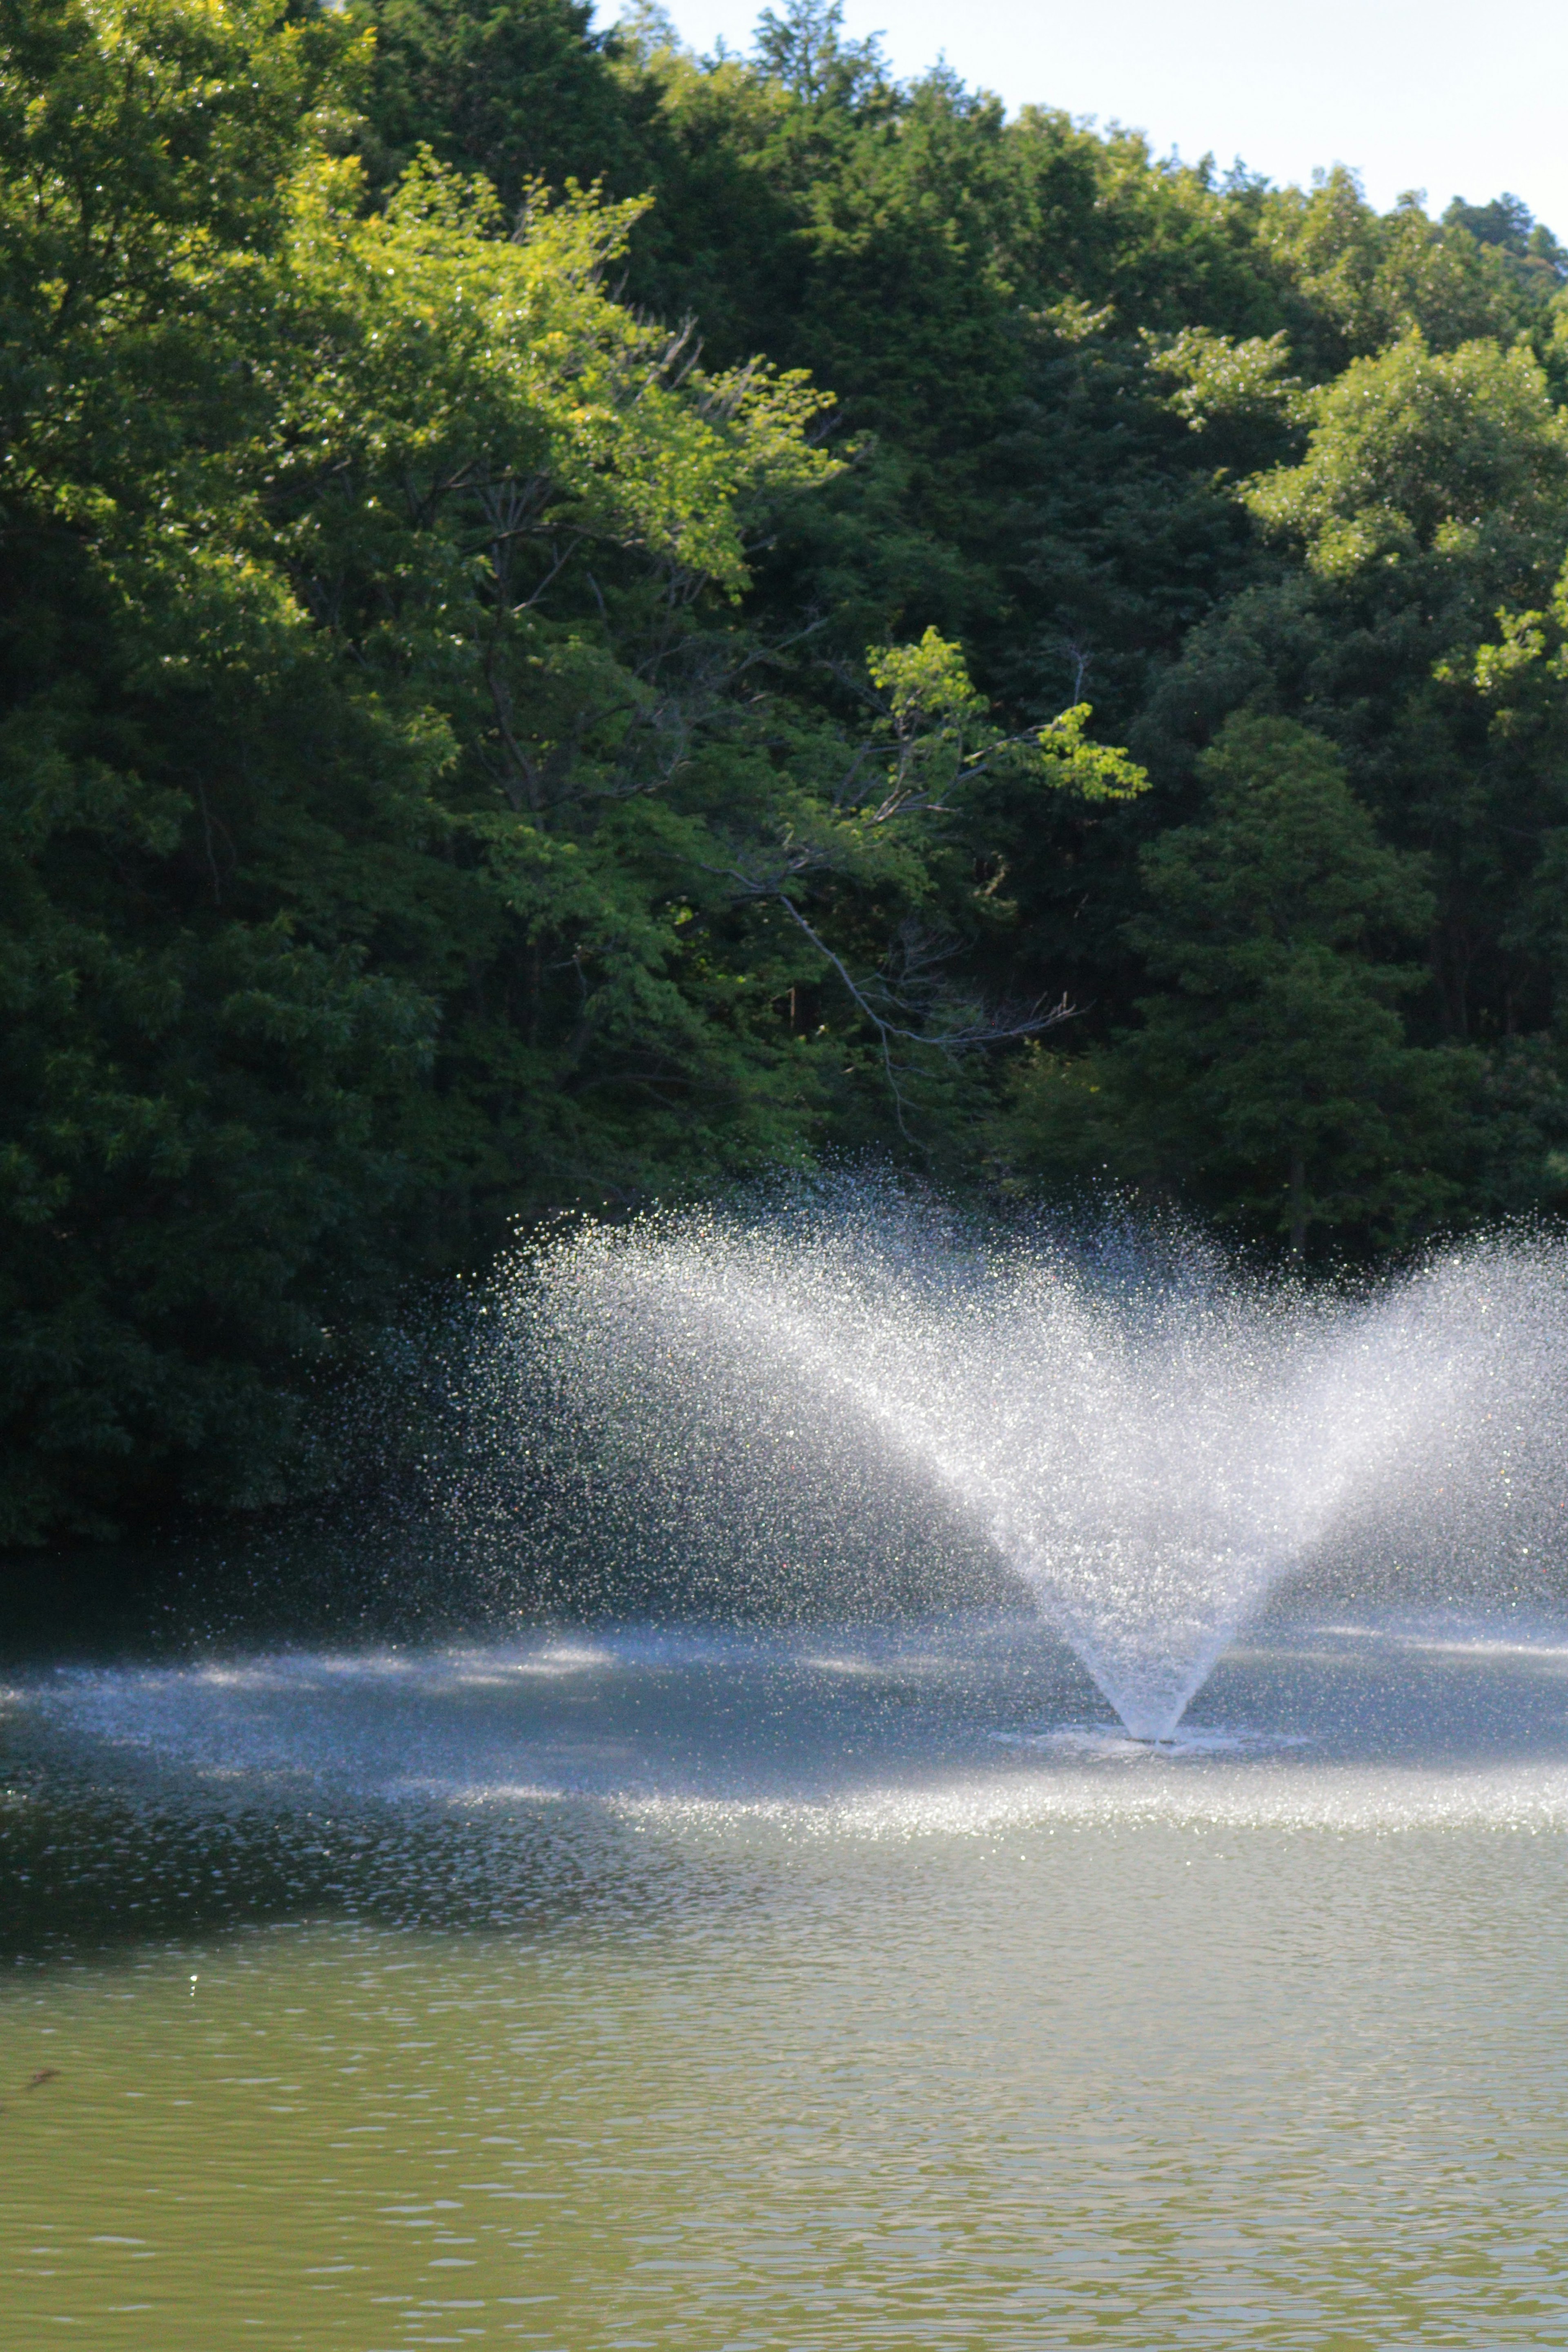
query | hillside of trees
[582, 621]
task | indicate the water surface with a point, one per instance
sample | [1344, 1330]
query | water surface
[849, 1987]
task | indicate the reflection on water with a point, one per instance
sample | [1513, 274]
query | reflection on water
[846, 1990]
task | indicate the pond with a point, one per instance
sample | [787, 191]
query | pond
[583, 1989]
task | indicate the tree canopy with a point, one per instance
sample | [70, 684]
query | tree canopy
[581, 622]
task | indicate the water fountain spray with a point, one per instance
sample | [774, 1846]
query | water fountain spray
[1150, 1441]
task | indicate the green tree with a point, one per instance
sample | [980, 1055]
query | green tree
[284, 727]
[520, 91]
[1271, 1079]
[1537, 261]
[1363, 280]
[443, 777]
[197, 1133]
[1432, 492]
[1456, 462]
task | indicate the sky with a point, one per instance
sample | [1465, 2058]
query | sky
[1410, 93]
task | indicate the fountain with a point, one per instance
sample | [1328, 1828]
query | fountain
[1150, 1441]
[585, 1974]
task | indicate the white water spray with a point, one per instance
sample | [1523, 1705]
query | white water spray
[1150, 1442]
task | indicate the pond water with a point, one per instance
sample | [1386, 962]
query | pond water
[842, 1987]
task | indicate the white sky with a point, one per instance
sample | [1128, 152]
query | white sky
[1411, 93]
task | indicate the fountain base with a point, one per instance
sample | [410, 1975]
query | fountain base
[1098, 1743]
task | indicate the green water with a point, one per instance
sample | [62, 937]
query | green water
[983, 2047]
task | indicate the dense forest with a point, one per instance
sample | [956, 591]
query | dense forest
[582, 621]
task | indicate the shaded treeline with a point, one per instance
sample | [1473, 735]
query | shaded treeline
[581, 622]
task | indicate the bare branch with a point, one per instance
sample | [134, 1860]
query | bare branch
[1031, 1022]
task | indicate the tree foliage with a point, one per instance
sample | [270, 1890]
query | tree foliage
[1272, 1069]
[579, 621]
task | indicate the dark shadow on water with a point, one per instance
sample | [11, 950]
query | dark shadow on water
[91, 1874]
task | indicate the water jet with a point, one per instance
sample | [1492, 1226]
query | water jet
[1149, 1439]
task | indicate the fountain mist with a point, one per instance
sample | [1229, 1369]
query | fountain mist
[1149, 1440]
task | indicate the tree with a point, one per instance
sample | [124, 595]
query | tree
[1365, 280]
[520, 91]
[198, 1144]
[1537, 261]
[1432, 492]
[802, 47]
[1271, 1080]
[285, 736]
[516, 696]
[1454, 463]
